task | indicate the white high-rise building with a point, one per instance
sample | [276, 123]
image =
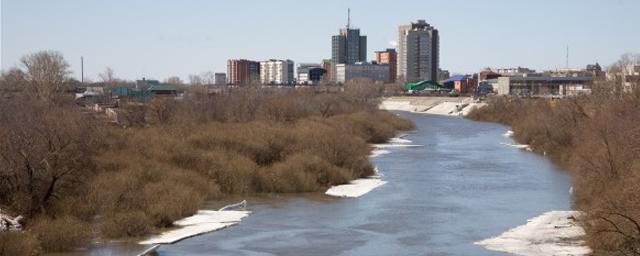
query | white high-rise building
[277, 72]
[418, 52]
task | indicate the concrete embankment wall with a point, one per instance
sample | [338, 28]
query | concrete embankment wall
[431, 105]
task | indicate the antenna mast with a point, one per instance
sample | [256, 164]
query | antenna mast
[348, 18]
[567, 57]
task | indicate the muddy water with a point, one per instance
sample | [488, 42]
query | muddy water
[461, 187]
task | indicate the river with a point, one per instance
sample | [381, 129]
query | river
[461, 187]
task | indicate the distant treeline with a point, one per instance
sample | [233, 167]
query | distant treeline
[597, 139]
[75, 176]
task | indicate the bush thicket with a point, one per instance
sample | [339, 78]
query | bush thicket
[597, 139]
[167, 157]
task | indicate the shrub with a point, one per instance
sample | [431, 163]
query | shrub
[61, 234]
[301, 173]
[19, 244]
[596, 139]
[127, 224]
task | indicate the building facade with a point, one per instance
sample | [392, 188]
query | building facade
[464, 84]
[327, 65]
[418, 52]
[220, 79]
[310, 73]
[277, 72]
[375, 72]
[243, 72]
[544, 86]
[389, 57]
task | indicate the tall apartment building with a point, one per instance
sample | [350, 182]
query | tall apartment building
[389, 57]
[349, 46]
[418, 52]
[276, 72]
[242, 72]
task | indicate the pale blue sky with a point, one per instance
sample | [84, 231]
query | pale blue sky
[159, 39]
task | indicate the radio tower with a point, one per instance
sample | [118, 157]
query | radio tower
[567, 57]
[348, 18]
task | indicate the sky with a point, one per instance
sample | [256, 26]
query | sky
[160, 38]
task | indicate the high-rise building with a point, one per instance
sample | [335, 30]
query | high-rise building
[349, 46]
[389, 57]
[243, 72]
[276, 72]
[418, 52]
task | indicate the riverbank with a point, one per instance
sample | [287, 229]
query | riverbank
[360, 187]
[461, 187]
[527, 239]
[553, 233]
[594, 138]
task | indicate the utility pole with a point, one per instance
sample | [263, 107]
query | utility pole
[82, 70]
[567, 57]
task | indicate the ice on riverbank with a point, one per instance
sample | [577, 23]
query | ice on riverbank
[379, 152]
[553, 233]
[518, 146]
[379, 146]
[203, 222]
[356, 188]
[399, 140]
[396, 142]
[508, 134]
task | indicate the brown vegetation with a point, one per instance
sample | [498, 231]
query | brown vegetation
[596, 138]
[19, 244]
[168, 156]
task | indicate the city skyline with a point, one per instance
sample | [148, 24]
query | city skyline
[159, 39]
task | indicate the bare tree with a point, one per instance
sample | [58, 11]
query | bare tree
[12, 80]
[45, 154]
[108, 76]
[195, 80]
[46, 73]
[174, 80]
[208, 78]
[625, 61]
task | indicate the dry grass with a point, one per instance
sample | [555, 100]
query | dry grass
[61, 234]
[19, 244]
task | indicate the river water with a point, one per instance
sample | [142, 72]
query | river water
[461, 187]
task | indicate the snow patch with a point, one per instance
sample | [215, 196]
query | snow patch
[379, 146]
[399, 140]
[8, 223]
[203, 222]
[518, 146]
[553, 233]
[356, 188]
[379, 152]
